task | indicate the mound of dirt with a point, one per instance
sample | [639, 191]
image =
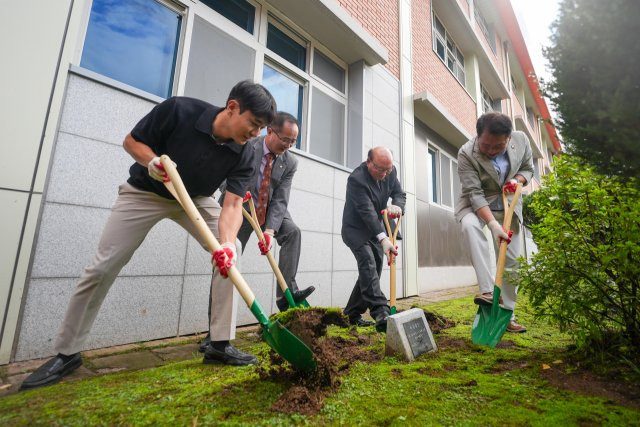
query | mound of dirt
[437, 323]
[333, 355]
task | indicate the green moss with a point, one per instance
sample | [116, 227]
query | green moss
[458, 385]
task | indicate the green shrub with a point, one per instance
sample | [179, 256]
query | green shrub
[585, 276]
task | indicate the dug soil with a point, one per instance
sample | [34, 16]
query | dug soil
[333, 354]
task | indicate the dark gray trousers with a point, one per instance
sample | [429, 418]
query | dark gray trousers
[289, 239]
[366, 293]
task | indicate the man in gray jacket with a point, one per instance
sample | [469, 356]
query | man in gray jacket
[496, 158]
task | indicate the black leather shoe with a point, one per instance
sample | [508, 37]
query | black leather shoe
[361, 322]
[229, 356]
[282, 304]
[204, 343]
[302, 294]
[381, 324]
[51, 371]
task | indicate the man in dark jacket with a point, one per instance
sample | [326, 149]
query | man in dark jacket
[369, 188]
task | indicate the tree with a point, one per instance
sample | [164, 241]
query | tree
[595, 61]
[585, 276]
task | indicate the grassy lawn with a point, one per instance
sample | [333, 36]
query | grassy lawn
[458, 385]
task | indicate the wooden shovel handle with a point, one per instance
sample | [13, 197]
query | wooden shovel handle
[506, 224]
[251, 217]
[392, 258]
[177, 189]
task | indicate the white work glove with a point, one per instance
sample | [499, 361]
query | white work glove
[394, 211]
[225, 258]
[156, 170]
[498, 232]
[268, 242]
[388, 248]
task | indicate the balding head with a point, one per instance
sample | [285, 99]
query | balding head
[379, 162]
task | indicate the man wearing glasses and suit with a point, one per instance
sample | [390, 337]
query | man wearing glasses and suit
[271, 186]
[369, 188]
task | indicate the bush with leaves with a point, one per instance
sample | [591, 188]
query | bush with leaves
[585, 276]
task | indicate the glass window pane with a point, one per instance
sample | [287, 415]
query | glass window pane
[134, 42]
[239, 12]
[440, 48]
[287, 93]
[328, 71]
[286, 47]
[432, 161]
[445, 174]
[439, 26]
[327, 127]
[216, 63]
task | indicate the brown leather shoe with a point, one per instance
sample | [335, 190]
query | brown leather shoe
[484, 299]
[516, 328]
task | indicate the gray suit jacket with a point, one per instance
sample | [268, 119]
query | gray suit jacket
[282, 172]
[479, 180]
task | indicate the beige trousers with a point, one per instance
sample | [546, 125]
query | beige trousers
[472, 228]
[133, 215]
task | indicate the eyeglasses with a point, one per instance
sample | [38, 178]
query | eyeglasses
[380, 168]
[289, 141]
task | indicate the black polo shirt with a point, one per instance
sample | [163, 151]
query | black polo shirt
[181, 128]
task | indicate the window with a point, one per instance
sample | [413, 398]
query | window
[288, 93]
[485, 28]
[134, 42]
[531, 118]
[513, 84]
[240, 12]
[434, 175]
[285, 46]
[444, 186]
[328, 70]
[317, 98]
[447, 50]
[536, 169]
[487, 102]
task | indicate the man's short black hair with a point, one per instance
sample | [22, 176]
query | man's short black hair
[495, 123]
[283, 117]
[255, 98]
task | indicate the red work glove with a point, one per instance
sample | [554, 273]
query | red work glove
[511, 186]
[508, 240]
[394, 211]
[266, 246]
[247, 197]
[225, 258]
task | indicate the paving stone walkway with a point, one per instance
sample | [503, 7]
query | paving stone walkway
[155, 353]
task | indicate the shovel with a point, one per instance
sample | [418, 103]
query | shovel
[276, 336]
[253, 220]
[491, 321]
[392, 262]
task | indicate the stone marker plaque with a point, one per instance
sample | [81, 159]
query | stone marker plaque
[409, 335]
[417, 336]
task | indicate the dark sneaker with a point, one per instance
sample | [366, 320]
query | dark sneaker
[361, 322]
[204, 343]
[484, 299]
[516, 328]
[52, 371]
[229, 356]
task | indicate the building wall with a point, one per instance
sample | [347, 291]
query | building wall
[432, 75]
[380, 18]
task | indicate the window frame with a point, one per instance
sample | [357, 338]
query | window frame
[457, 65]
[485, 28]
[453, 167]
[177, 7]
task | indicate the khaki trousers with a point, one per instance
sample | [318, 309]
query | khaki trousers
[472, 228]
[133, 215]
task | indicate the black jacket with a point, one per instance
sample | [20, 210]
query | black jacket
[361, 218]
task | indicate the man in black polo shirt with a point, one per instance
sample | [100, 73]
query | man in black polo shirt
[207, 144]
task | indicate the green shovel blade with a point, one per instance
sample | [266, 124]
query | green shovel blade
[491, 322]
[292, 304]
[283, 342]
[288, 346]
